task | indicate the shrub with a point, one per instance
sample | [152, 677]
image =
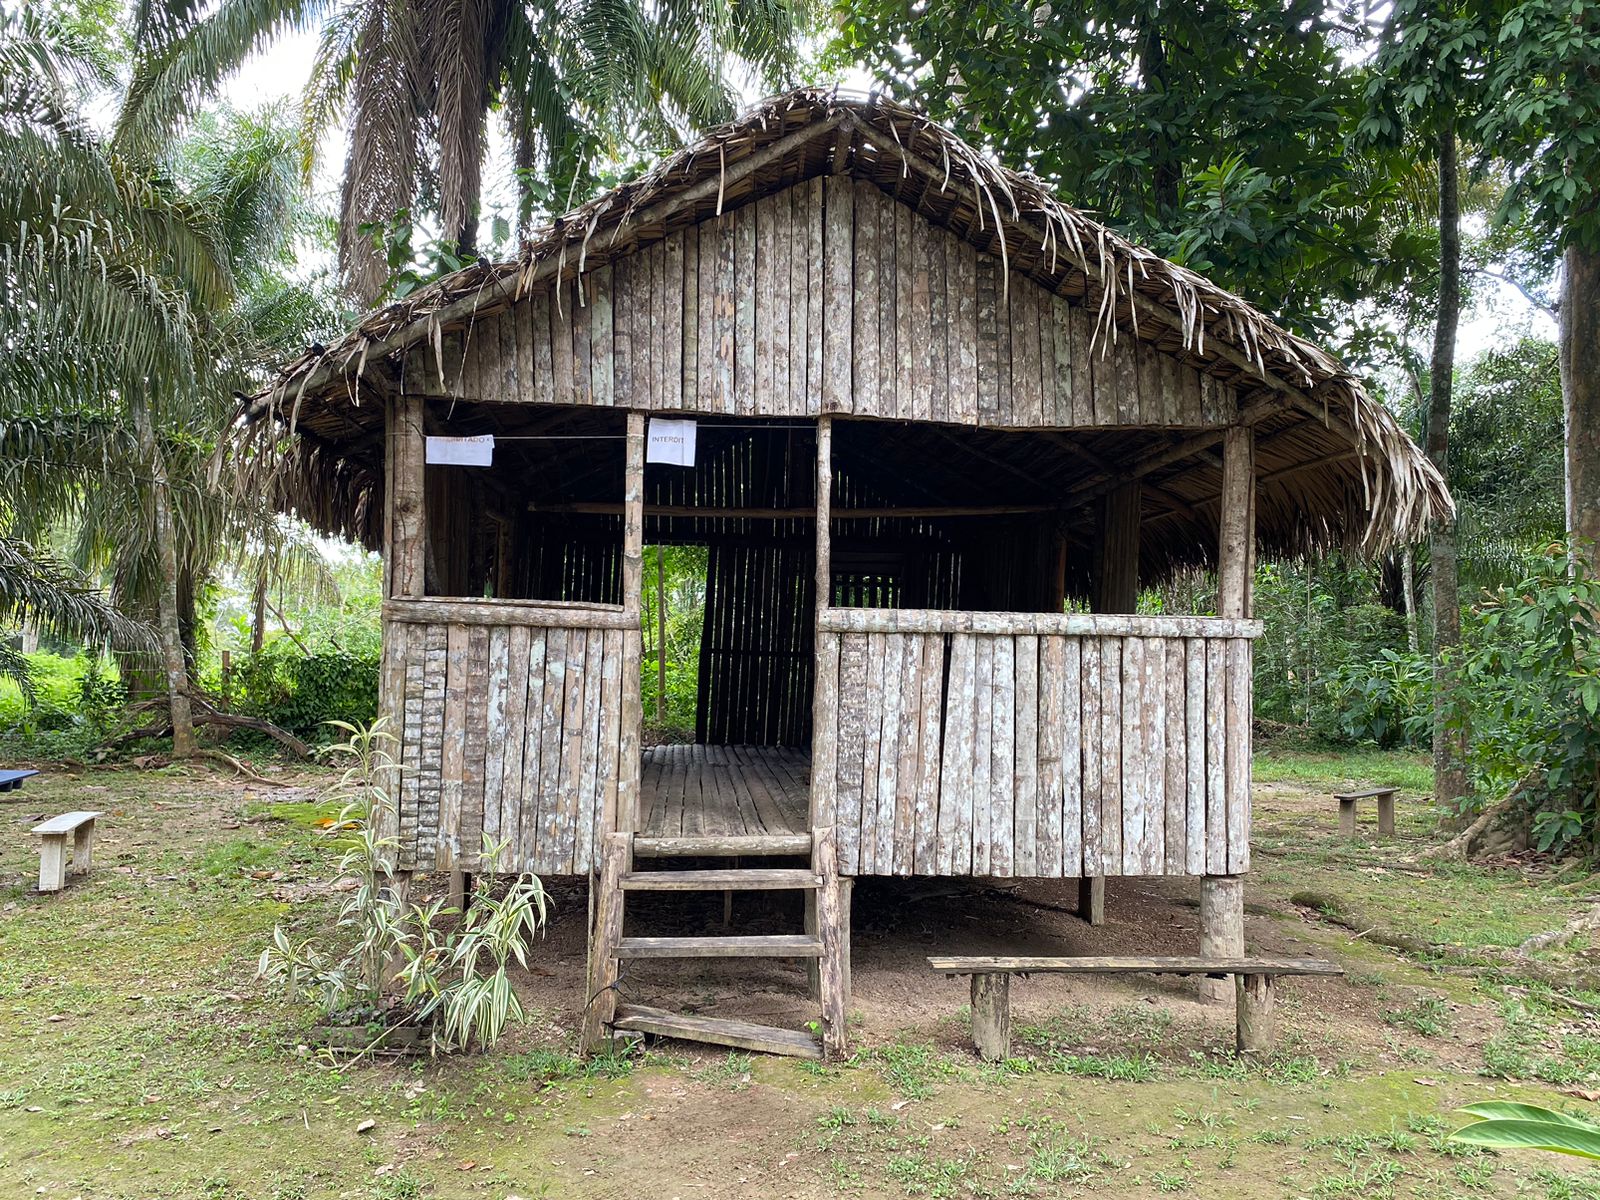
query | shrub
[305, 693]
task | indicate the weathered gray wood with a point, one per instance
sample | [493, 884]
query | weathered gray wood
[838, 253]
[53, 862]
[1347, 810]
[628, 815]
[909, 620]
[991, 1016]
[1253, 1015]
[1347, 816]
[1366, 794]
[956, 786]
[771, 945]
[739, 879]
[1003, 756]
[67, 822]
[1130, 964]
[1092, 899]
[717, 1031]
[728, 846]
[834, 944]
[546, 615]
[604, 939]
[1221, 927]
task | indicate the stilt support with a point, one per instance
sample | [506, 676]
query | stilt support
[1254, 1016]
[1221, 929]
[991, 1016]
[601, 1004]
[835, 945]
[1092, 899]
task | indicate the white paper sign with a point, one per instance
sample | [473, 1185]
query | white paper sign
[462, 451]
[671, 442]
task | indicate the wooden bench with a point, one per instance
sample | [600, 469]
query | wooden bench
[53, 849]
[1347, 810]
[10, 781]
[991, 988]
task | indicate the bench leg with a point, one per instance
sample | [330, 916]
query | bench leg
[1347, 818]
[1386, 815]
[53, 862]
[1092, 899]
[1221, 929]
[83, 848]
[991, 1016]
[1254, 1017]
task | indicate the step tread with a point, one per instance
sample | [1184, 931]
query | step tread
[769, 945]
[745, 879]
[717, 1031]
[731, 846]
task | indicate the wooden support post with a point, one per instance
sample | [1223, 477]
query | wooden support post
[824, 511]
[1116, 582]
[396, 890]
[53, 862]
[847, 887]
[626, 818]
[831, 966]
[1221, 928]
[825, 688]
[1092, 899]
[407, 524]
[1386, 815]
[1347, 816]
[1237, 534]
[991, 1016]
[457, 898]
[83, 848]
[600, 1006]
[1253, 1015]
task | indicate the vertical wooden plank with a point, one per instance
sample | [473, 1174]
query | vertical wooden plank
[983, 800]
[964, 334]
[766, 255]
[920, 327]
[506, 777]
[851, 753]
[872, 742]
[628, 814]
[815, 318]
[582, 351]
[623, 316]
[671, 318]
[956, 787]
[795, 300]
[539, 331]
[527, 783]
[938, 324]
[1084, 372]
[575, 725]
[925, 860]
[890, 698]
[904, 277]
[707, 397]
[1024, 352]
[1048, 805]
[1025, 853]
[1126, 361]
[908, 764]
[1111, 781]
[602, 366]
[838, 257]
[864, 300]
[409, 645]
[1133, 762]
[1216, 757]
[1238, 750]
[408, 530]
[453, 754]
[1093, 789]
[1235, 558]
[1194, 704]
[883, 246]
[724, 314]
[1072, 743]
[476, 750]
[563, 300]
[602, 709]
[551, 704]
[825, 732]
[1177, 766]
[745, 288]
[1149, 361]
[689, 321]
[1153, 699]
[782, 306]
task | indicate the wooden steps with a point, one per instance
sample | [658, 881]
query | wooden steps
[824, 946]
[754, 879]
[769, 945]
[717, 1031]
[768, 845]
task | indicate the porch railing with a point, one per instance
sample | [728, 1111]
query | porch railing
[1022, 744]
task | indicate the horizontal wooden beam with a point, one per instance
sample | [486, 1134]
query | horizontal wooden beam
[550, 614]
[919, 620]
[796, 513]
[1132, 965]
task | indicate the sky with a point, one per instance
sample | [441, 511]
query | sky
[1501, 317]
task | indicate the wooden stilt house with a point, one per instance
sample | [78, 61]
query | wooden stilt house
[945, 429]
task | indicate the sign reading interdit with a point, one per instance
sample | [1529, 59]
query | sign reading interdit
[670, 442]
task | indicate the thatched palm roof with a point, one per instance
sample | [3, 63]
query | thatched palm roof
[1340, 468]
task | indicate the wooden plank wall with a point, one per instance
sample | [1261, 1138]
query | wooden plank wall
[1038, 754]
[511, 729]
[828, 296]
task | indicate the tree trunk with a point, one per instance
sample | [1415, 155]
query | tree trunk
[1449, 745]
[1580, 393]
[168, 617]
[258, 621]
[1408, 586]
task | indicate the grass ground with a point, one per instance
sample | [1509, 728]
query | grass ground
[139, 1058]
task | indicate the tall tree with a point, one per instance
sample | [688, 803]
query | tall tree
[576, 83]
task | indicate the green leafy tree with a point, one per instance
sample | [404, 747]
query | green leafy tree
[575, 84]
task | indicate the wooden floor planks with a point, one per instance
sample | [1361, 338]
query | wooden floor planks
[724, 791]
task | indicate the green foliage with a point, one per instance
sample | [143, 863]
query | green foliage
[1386, 700]
[683, 570]
[456, 973]
[303, 693]
[1503, 1125]
[1531, 695]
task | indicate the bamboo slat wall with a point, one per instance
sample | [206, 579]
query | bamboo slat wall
[828, 296]
[1110, 753]
[510, 726]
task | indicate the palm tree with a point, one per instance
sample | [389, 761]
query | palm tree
[134, 301]
[576, 83]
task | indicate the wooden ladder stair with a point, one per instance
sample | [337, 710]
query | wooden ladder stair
[823, 946]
